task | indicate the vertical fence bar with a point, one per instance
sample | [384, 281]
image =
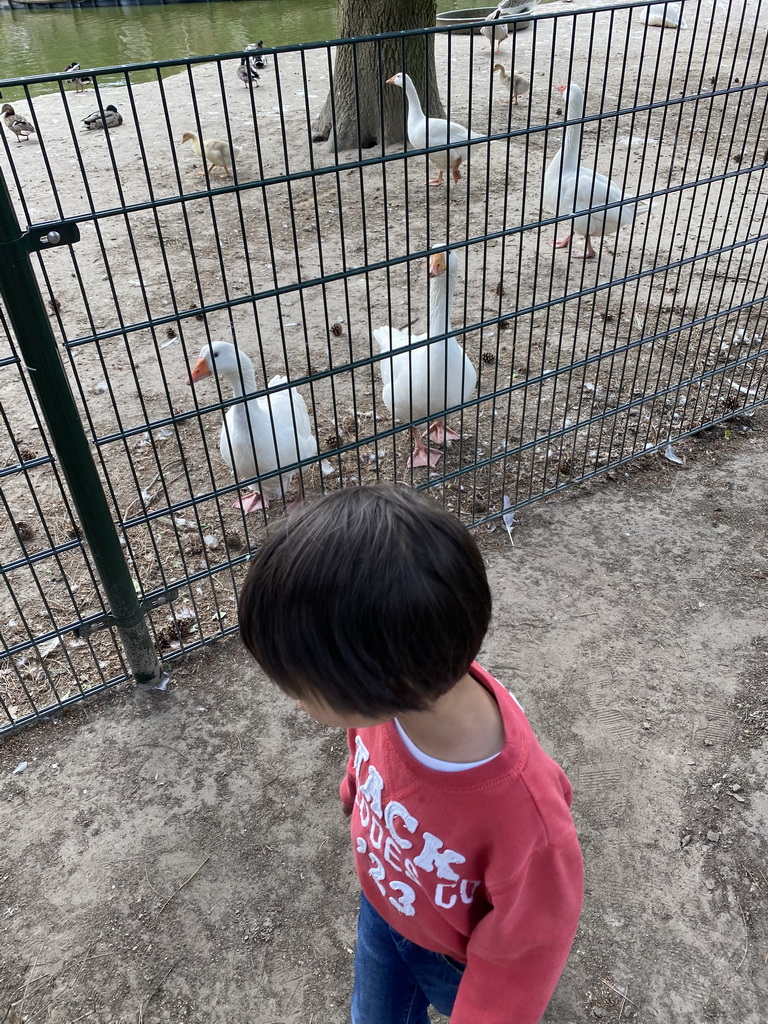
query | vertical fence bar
[26, 312]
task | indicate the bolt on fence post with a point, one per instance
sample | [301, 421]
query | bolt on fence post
[27, 314]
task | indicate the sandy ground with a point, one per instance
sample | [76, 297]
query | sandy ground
[182, 857]
[629, 616]
[549, 362]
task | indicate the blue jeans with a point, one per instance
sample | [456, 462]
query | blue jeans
[396, 980]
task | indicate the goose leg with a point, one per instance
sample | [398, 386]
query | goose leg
[562, 243]
[421, 455]
[588, 254]
[438, 180]
[455, 170]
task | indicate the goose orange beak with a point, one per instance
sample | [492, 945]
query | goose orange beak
[199, 370]
[562, 88]
[437, 264]
[391, 81]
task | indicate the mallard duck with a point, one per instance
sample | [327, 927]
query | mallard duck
[435, 131]
[80, 80]
[217, 153]
[495, 32]
[262, 434]
[103, 120]
[426, 381]
[246, 74]
[515, 84]
[260, 60]
[20, 127]
[569, 188]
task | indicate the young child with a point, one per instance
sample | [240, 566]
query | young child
[369, 609]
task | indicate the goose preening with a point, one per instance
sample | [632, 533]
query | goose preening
[515, 84]
[569, 188]
[217, 153]
[78, 81]
[494, 32]
[262, 434]
[108, 118]
[425, 381]
[433, 131]
[246, 74]
[20, 127]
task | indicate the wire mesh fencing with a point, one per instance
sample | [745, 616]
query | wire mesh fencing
[235, 206]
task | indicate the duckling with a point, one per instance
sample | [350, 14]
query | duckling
[16, 124]
[217, 153]
[246, 74]
[108, 119]
[80, 80]
[515, 84]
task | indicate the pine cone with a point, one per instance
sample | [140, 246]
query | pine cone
[489, 358]
[332, 441]
[337, 329]
[169, 332]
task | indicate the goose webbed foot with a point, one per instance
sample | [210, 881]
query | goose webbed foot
[561, 243]
[439, 433]
[253, 502]
[422, 455]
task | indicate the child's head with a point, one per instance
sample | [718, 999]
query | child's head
[373, 600]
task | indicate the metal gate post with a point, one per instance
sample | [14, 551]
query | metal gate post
[27, 314]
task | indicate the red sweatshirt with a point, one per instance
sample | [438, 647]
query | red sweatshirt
[482, 865]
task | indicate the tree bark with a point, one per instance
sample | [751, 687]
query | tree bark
[361, 111]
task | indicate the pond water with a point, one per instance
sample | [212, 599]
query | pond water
[35, 42]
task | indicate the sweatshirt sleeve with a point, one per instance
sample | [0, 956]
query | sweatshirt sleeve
[348, 787]
[517, 952]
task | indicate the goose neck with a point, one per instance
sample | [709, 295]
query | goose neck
[440, 303]
[414, 103]
[242, 383]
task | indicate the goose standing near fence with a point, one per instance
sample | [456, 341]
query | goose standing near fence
[570, 188]
[263, 434]
[493, 32]
[428, 380]
[433, 131]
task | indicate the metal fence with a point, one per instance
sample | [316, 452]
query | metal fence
[303, 253]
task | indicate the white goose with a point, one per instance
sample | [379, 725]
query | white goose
[433, 131]
[260, 435]
[569, 188]
[494, 32]
[428, 380]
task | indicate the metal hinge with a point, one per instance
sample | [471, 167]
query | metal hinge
[39, 237]
[108, 620]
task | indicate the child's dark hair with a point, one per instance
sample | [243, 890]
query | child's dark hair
[373, 599]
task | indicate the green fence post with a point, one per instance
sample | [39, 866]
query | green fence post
[27, 314]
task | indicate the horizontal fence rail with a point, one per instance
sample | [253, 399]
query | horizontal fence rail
[306, 236]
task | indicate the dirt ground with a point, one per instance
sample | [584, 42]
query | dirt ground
[182, 857]
[549, 362]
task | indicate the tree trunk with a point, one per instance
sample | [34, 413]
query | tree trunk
[360, 106]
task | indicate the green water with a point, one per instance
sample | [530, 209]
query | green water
[43, 41]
